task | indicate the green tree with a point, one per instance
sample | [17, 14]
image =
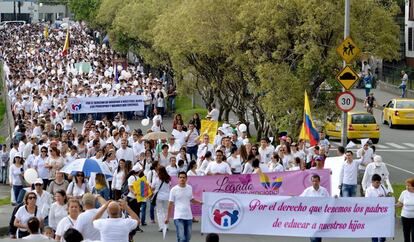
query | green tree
[84, 9]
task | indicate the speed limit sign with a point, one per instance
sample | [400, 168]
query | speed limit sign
[345, 101]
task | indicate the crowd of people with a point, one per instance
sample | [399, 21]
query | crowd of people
[40, 80]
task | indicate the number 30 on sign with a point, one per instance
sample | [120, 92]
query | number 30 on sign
[345, 101]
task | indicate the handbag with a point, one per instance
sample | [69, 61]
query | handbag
[154, 198]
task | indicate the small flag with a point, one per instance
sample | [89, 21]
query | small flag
[308, 131]
[66, 47]
[142, 189]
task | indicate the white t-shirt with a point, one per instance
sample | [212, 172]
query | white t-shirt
[181, 197]
[349, 172]
[163, 192]
[65, 224]
[311, 192]
[23, 216]
[222, 168]
[115, 229]
[407, 198]
[85, 226]
[131, 180]
[371, 191]
[235, 163]
[56, 213]
[248, 168]
[36, 237]
[265, 154]
[172, 171]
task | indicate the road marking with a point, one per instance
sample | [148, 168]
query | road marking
[409, 144]
[396, 145]
[399, 168]
[381, 146]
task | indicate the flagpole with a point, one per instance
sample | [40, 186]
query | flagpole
[345, 114]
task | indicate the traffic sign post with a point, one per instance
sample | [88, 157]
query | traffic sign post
[347, 77]
[346, 101]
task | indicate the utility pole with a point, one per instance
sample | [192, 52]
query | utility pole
[345, 114]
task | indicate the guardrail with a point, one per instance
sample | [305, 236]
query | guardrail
[394, 89]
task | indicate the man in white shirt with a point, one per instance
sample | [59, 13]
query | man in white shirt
[125, 152]
[348, 175]
[173, 146]
[115, 228]
[376, 167]
[181, 197]
[315, 190]
[205, 146]
[214, 113]
[84, 223]
[366, 154]
[218, 167]
[265, 151]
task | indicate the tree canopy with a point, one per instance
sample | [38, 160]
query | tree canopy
[252, 57]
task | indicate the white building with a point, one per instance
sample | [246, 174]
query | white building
[31, 11]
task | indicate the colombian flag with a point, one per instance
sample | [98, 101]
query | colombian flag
[142, 189]
[46, 32]
[66, 47]
[308, 131]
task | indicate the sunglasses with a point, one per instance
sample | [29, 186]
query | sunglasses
[44, 151]
[79, 175]
[31, 197]
[38, 184]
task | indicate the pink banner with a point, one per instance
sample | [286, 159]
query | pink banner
[289, 183]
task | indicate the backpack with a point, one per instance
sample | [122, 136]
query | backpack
[125, 188]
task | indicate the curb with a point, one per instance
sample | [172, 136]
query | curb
[362, 101]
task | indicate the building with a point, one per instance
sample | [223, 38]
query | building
[31, 11]
[409, 32]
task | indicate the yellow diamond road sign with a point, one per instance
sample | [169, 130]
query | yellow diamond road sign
[347, 77]
[348, 50]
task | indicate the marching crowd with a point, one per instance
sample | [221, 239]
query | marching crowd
[80, 206]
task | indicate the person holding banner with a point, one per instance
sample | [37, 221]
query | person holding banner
[348, 175]
[218, 167]
[181, 198]
[406, 202]
[315, 191]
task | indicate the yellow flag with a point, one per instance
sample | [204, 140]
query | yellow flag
[46, 32]
[209, 127]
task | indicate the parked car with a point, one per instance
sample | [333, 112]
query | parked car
[398, 111]
[361, 125]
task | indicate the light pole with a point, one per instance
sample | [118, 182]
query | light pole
[345, 114]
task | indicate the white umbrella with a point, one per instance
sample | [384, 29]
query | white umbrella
[86, 166]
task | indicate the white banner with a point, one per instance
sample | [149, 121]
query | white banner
[106, 104]
[297, 216]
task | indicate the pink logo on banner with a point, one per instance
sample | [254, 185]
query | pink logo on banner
[289, 183]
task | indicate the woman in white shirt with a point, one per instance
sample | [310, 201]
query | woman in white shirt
[58, 210]
[16, 175]
[276, 164]
[286, 155]
[247, 166]
[119, 178]
[40, 165]
[192, 169]
[24, 213]
[74, 209]
[234, 161]
[78, 186]
[161, 186]
[184, 156]
[406, 202]
[68, 123]
[172, 168]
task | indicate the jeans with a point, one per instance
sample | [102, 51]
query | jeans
[192, 151]
[378, 239]
[183, 227]
[3, 174]
[314, 239]
[408, 229]
[403, 91]
[349, 190]
[172, 104]
[136, 207]
[16, 191]
[367, 90]
[147, 111]
[143, 214]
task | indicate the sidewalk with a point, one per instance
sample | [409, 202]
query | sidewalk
[5, 210]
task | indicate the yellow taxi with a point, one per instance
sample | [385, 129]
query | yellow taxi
[361, 125]
[398, 111]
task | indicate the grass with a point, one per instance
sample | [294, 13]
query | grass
[5, 201]
[184, 107]
[398, 188]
